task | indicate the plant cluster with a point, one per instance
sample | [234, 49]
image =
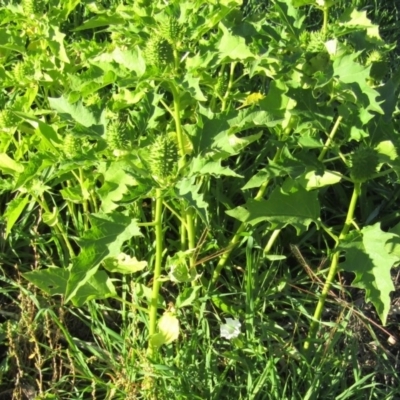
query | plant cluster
[158, 160]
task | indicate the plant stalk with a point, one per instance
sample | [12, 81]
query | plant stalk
[330, 138]
[187, 216]
[333, 267]
[157, 268]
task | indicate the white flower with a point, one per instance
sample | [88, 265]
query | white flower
[231, 329]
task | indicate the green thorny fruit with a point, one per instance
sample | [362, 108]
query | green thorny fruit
[364, 162]
[33, 7]
[159, 52]
[163, 159]
[171, 29]
[72, 145]
[117, 137]
[8, 119]
[23, 72]
[222, 84]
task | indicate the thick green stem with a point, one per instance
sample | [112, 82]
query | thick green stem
[157, 267]
[229, 88]
[186, 216]
[325, 11]
[242, 227]
[333, 267]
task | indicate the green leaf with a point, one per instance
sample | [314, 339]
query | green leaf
[190, 190]
[218, 132]
[232, 47]
[202, 166]
[56, 43]
[117, 183]
[191, 84]
[274, 170]
[131, 59]
[370, 259]
[107, 234]
[9, 166]
[355, 75]
[298, 208]
[12, 40]
[31, 171]
[312, 180]
[124, 264]
[74, 194]
[99, 21]
[76, 112]
[188, 296]
[354, 19]
[13, 211]
[53, 281]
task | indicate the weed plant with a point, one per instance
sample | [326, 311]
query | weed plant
[199, 200]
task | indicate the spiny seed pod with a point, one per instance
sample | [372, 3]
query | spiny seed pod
[222, 84]
[364, 163]
[171, 29]
[374, 57]
[159, 52]
[117, 136]
[8, 119]
[316, 62]
[33, 6]
[163, 159]
[23, 72]
[72, 145]
[316, 42]
[304, 39]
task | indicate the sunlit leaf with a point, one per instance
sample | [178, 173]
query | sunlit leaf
[368, 257]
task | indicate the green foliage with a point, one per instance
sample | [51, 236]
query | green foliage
[156, 152]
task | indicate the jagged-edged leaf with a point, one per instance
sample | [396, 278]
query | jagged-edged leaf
[218, 132]
[191, 84]
[353, 19]
[116, 183]
[369, 257]
[77, 112]
[233, 47]
[53, 281]
[56, 43]
[200, 165]
[131, 59]
[273, 170]
[352, 78]
[298, 208]
[104, 239]
[189, 190]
